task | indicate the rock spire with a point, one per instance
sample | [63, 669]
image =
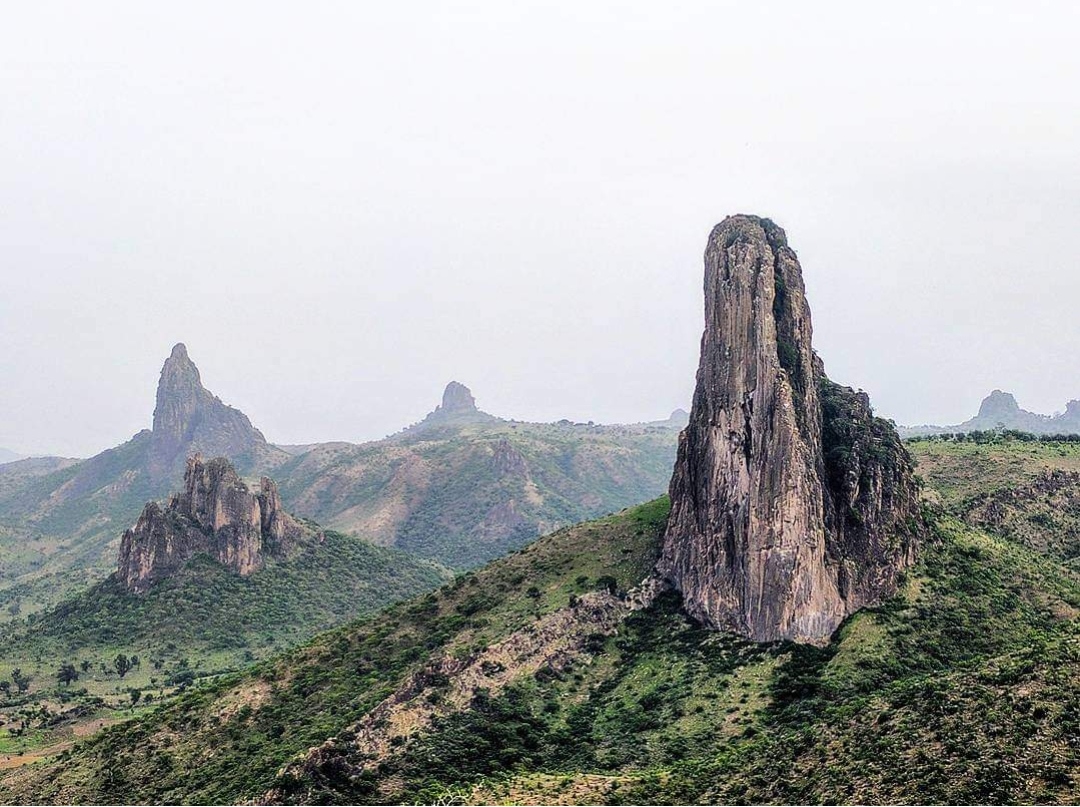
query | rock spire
[792, 505]
[457, 398]
[188, 418]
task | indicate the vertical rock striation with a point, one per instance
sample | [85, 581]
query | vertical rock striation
[792, 506]
[215, 514]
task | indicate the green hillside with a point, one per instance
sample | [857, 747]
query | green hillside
[60, 526]
[468, 492]
[200, 623]
[460, 494]
[536, 679]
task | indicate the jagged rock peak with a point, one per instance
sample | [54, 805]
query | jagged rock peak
[188, 418]
[792, 505]
[215, 514]
[457, 398]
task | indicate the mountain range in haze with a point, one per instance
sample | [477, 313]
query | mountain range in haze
[999, 410]
[459, 488]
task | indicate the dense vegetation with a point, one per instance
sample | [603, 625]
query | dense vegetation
[441, 494]
[257, 721]
[205, 607]
[96, 655]
[964, 688]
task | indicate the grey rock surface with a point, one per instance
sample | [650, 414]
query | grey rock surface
[792, 505]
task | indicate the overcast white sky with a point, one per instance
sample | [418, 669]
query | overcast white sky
[340, 207]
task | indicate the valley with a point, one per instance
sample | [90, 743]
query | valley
[983, 628]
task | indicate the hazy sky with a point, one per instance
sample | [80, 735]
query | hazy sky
[340, 207]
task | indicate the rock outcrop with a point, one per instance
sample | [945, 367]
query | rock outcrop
[792, 505]
[188, 418]
[458, 408]
[216, 514]
[457, 398]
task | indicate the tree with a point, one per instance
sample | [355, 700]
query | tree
[86, 664]
[22, 681]
[123, 665]
[608, 583]
[5, 687]
[67, 673]
[135, 695]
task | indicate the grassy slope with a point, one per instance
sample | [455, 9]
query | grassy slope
[199, 623]
[440, 493]
[257, 721]
[963, 688]
[958, 472]
[206, 610]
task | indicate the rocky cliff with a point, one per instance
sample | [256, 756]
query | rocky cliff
[792, 505]
[215, 514]
[457, 398]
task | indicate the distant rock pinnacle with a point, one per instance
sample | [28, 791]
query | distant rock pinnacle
[190, 419]
[679, 418]
[1000, 405]
[457, 398]
[791, 505]
[458, 409]
[215, 514]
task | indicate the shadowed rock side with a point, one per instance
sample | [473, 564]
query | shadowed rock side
[792, 506]
[216, 514]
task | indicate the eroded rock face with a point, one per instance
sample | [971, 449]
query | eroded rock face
[792, 506]
[189, 417]
[215, 514]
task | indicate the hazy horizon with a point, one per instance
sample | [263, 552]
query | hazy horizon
[340, 209]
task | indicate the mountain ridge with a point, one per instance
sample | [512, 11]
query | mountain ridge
[1000, 410]
[442, 488]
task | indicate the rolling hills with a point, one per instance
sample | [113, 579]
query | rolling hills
[215, 579]
[538, 679]
[6, 455]
[459, 488]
